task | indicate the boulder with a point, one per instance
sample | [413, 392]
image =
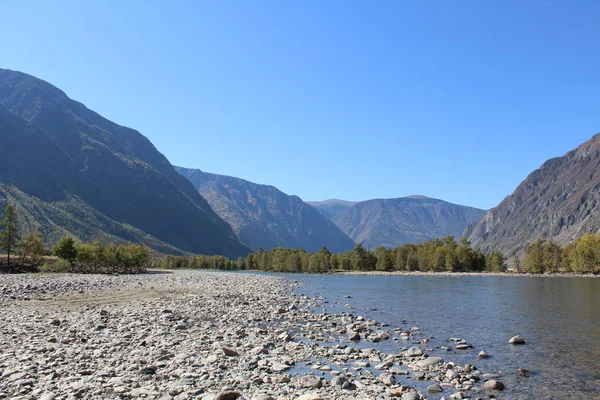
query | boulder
[517, 340]
[414, 352]
[228, 395]
[429, 361]
[338, 381]
[310, 382]
[435, 388]
[387, 379]
[493, 385]
[230, 352]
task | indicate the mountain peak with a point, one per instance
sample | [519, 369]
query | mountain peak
[394, 222]
[557, 200]
[264, 216]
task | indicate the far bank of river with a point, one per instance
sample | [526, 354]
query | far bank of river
[505, 274]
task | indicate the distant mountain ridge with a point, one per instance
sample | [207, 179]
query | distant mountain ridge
[394, 222]
[560, 200]
[263, 216]
[332, 207]
[70, 171]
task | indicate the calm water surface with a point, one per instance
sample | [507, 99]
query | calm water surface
[558, 317]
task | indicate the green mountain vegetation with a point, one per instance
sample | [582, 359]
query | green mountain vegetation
[69, 171]
[394, 222]
[438, 255]
[264, 217]
[30, 253]
[546, 256]
[558, 201]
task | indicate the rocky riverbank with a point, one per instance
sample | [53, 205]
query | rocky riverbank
[206, 335]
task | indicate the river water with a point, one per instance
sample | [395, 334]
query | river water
[558, 317]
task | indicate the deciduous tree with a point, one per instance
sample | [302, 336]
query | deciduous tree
[9, 236]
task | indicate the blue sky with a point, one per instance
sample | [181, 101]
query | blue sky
[458, 100]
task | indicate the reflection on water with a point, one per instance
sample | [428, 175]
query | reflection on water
[559, 318]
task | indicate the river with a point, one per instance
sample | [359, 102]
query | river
[559, 318]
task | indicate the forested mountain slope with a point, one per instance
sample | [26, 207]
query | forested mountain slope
[70, 171]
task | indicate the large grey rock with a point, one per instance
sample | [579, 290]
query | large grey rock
[517, 340]
[435, 388]
[493, 385]
[429, 361]
[310, 382]
[387, 379]
[414, 351]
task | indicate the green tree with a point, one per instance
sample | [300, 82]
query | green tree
[66, 249]
[534, 257]
[464, 255]
[362, 259]
[494, 262]
[553, 256]
[586, 256]
[384, 259]
[517, 264]
[32, 246]
[325, 258]
[9, 236]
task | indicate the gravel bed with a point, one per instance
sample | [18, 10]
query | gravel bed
[205, 335]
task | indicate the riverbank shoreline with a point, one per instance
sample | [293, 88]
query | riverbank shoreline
[200, 335]
[433, 274]
[504, 274]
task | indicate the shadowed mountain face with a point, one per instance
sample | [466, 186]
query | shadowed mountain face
[68, 170]
[394, 222]
[559, 200]
[331, 208]
[263, 216]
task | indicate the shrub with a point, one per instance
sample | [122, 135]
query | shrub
[57, 266]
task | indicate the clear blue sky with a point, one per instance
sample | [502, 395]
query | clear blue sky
[458, 100]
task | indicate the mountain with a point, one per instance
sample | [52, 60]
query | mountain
[263, 216]
[394, 222]
[559, 200]
[70, 171]
[331, 208]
